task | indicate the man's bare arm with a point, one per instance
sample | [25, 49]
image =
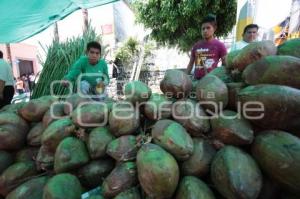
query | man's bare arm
[223, 59]
[190, 65]
[2, 85]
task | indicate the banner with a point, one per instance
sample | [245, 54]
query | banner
[246, 16]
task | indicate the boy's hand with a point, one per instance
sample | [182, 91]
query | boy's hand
[100, 87]
[65, 83]
[101, 84]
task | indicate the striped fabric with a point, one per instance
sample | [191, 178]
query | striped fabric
[290, 27]
[294, 28]
[281, 31]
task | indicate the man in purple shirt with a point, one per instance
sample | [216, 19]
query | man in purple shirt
[206, 53]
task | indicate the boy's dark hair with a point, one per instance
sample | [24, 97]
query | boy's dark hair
[1, 54]
[93, 44]
[211, 18]
[249, 26]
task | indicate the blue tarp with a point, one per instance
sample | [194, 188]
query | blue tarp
[21, 19]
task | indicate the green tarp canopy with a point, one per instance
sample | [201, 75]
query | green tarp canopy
[21, 19]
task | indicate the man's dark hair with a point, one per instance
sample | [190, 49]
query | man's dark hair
[1, 54]
[93, 44]
[211, 18]
[249, 26]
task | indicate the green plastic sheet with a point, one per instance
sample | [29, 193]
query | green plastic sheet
[21, 19]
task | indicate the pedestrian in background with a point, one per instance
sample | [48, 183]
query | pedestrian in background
[6, 82]
[20, 85]
[31, 81]
[250, 34]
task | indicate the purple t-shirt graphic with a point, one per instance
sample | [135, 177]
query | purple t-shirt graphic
[207, 55]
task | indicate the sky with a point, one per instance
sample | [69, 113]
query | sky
[271, 12]
[268, 13]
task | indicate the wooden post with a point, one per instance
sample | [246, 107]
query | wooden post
[85, 19]
[8, 50]
[56, 35]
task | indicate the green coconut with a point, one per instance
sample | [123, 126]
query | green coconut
[191, 187]
[13, 131]
[230, 57]
[280, 70]
[122, 177]
[199, 162]
[27, 154]
[278, 154]
[35, 109]
[176, 84]
[137, 92]
[97, 142]
[92, 174]
[124, 119]
[123, 148]
[252, 53]
[6, 159]
[233, 90]
[55, 112]
[45, 159]
[173, 137]
[70, 154]
[34, 137]
[222, 73]
[235, 174]
[56, 132]
[91, 114]
[232, 129]
[191, 116]
[158, 107]
[290, 47]
[212, 92]
[62, 186]
[132, 193]
[271, 106]
[32, 189]
[15, 175]
[158, 171]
